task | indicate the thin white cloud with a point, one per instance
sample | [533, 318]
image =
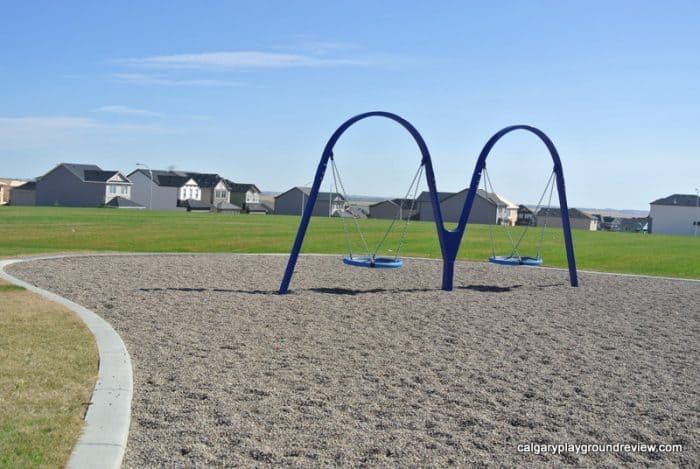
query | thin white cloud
[50, 131]
[127, 111]
[144, 79]
[54, 122]
[313, 46]
[238, 60]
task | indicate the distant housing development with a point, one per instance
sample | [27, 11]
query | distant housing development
[88, 185]
[80, 185]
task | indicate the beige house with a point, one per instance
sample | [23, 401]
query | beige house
[6, 186]
[508, 211]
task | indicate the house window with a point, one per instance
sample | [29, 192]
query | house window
[125, 190]
[220, 194]
[112, 189]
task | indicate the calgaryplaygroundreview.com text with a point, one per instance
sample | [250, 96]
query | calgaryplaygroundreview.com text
[561, 448]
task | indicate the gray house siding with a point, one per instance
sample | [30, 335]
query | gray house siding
[576, 223]
[207, 194]
[386, 210]
[23, 197]
[61, 187]
[291, 202]
[389, 210]
[578, 220]
[164, 198]
[483, 211]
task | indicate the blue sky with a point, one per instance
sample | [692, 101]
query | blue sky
[253, 90]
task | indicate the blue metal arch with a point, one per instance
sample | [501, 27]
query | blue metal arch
[321, 170]
[559, 172]
[449, 239]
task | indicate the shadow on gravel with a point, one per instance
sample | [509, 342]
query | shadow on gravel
[350, 291]
[489, 288]
[563, 284]
[217, 290]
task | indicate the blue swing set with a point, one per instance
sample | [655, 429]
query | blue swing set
[450, 240]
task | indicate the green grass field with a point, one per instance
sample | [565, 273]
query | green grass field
[48, 366]
[35, 230]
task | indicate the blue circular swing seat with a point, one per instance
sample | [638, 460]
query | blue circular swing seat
[373, 262]
[516, 260]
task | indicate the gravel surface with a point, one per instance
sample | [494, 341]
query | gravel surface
[379, 367]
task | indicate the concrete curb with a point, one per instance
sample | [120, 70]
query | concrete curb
[103, 440]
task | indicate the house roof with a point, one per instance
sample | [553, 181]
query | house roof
[166, 178]
[27, 186]
[307, 191]
[405, 203]
[425, 196]
[257, 208]
[79, 169]
[679, 200]
[92, 175]
[223, 205]
[488, 196]
[240, 186]
[556, 212]
[170, 180]
[350, 212]
[203, 179]
[121, 202]
[88, 172]
[525, 209]
[193, 204]
[505, 201]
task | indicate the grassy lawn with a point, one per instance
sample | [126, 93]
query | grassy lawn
[33, 230]
[48, 366]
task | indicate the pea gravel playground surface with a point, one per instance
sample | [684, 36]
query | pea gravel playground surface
[374, 367]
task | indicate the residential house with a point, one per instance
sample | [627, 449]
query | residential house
[578, 220]
[81, 185]
[508, 211]
[217, 194]
[635, 224]
[293, 202]
[677, 214]
[24, 194]
[395, 209]
[487, 208]
[6, 186]
[607, 223]
[212, 186]
[526, 217]
[247, 196]
[164, 190]
[424, 204]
